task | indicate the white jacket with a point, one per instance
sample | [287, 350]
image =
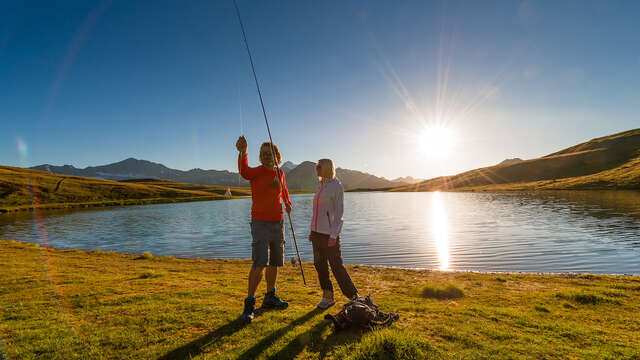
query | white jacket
[328, 208]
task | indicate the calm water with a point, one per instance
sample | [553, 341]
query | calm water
[595, 232]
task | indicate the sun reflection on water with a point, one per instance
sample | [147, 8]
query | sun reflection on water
[440, 230]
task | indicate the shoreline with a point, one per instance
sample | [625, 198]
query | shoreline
[109, 203]
[149, 201]
[389, 267]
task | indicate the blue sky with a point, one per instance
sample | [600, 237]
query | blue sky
[94, 82]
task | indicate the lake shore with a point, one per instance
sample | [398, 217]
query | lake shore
[96, 304]
[108, 203]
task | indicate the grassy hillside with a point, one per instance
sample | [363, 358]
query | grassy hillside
[23, 189]
[611, 162]
[71, 304]
[212, 189]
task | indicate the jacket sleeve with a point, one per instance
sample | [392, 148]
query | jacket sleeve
[243, 168]
[285, 190]
[338, 199]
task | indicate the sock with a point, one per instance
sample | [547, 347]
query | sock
[272, 291]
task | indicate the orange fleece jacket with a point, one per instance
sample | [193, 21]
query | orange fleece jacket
[266, 195]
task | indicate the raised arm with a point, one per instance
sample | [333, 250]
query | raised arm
[243, 161]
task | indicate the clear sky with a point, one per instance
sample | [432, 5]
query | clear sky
[94, 82]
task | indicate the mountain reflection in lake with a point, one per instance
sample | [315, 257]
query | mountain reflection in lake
[564, 231]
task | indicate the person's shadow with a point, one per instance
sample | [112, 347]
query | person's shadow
[312, 339]
[198, 346]
[258, 348]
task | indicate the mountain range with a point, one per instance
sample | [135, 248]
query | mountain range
[136, 169]
[299, 177]
[609, 162]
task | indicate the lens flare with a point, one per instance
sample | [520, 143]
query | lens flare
[23, 149]
[49, 262]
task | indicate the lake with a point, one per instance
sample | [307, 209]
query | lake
[564, 231]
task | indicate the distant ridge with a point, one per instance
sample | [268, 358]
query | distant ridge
[609, 162]
[407, 179]
[299, 177]
[288, 166]
[304, 177]
[510, 161]
[132, 168]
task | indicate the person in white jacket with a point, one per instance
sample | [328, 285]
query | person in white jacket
[326, 225]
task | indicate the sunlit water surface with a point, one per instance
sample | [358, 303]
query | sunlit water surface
[596, 232]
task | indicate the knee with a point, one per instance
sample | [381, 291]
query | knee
[335, 262]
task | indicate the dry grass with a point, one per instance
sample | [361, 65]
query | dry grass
[25, 189]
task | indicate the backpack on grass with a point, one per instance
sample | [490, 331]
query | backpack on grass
[361, 312]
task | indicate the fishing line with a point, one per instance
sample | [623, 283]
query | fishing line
[266, 121]
[239, 103]
[241, 115]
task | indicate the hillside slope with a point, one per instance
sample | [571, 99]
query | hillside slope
[25, 189]
[610, 162]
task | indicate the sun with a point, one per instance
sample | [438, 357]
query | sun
[436, 141]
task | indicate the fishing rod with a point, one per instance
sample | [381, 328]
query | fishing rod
[266, 121]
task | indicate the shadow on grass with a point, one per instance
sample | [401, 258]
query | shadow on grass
[196, 347]
[313, 340]
[335, 339]
[258, 348]
[301, 341]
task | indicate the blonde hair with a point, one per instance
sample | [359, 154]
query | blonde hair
[276, 151]
[327, 170]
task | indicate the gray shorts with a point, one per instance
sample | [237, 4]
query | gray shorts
[267, 247]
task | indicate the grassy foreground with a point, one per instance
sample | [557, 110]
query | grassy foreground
[72, 304]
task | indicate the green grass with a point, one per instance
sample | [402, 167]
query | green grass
[145, 256]
[388, 344]
[72, 304]
[440, 292]
[26, 189]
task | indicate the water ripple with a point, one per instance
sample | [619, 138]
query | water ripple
[568, 231]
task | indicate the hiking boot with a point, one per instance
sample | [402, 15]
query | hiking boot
[249, 306]
[326, 303]
[272, 301]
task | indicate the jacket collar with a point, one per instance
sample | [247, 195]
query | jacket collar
[325, 181]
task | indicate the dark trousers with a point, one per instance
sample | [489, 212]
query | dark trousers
[323, 256]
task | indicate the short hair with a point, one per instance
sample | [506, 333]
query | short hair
[276, 151]
[327, 169]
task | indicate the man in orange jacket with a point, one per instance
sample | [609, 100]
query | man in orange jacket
[268, 192]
